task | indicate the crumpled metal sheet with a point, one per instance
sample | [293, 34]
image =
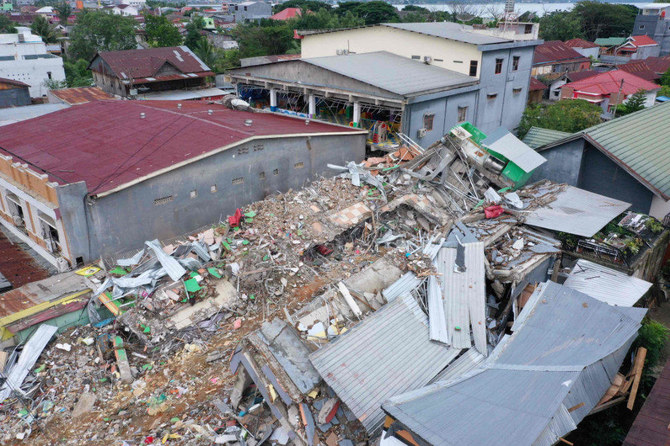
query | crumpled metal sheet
[356, 172]
[171, 265]
[130, 261]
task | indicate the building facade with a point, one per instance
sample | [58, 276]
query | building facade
[250, 11]
[24, 58]
[13, 93]
[654, 21]
[130, 178]
[557, 57]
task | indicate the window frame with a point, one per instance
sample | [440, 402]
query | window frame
[499, 65]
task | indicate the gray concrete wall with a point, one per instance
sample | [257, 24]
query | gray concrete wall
[125, 219]
[446, 115]
[602, 176]
[72, 208]
[563, 163]
[656, 28]
[14, 97]
[510, 88]
[647, 51]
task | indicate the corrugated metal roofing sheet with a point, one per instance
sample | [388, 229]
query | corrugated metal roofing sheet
[556, 51]
[515, 150]
[390, 72]
[606, 284]
[448, 30]
[639, 142]
[402, 286]
[388, 353]
[463, 364]
[538, 136]
[562, 353]
[148, 62]
[80, 95]
[577, 211]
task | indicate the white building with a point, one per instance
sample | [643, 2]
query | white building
[137, 4]
[126, 10]
[24, 57]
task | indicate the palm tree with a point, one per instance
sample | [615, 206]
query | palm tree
[44, 29]
[64, 10]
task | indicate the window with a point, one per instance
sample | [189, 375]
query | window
[499, 63]
[515, 63]
[458, 61]
[15, 210]
[242, 150]
[428, 121]
[438, 60]
[299, 165]
[258, 147]
[194, 193]
[416, 57]
[641, 26]
[462, 114]
[473, 68]
[528, 29]
[239, 180]
[213, 189]
[275, 172]
[261, 175]
[49, 74]
[163, 200]
[491, 95]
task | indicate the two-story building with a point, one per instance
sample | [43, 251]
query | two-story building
[419, 79]
[654, 21]
[557, 57]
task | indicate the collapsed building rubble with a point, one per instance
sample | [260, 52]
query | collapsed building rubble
[297, 318]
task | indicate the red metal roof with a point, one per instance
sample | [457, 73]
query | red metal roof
[575, 76]
[536, 85]
[4, 80]
[640, 69]
[555, 51]
[658, 64]
[610, 82]
[286, 14]
[80, 95]
[580, 43]
[146, 63]
[643, 40]
[107, 144]
[651, 424]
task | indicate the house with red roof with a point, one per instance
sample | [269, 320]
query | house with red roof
[584, 47]
[287, 14]
[536, 91]
[127, 73]
[651, 68]
[101, 177]
[555, 56]
[610, 89]
[620, 50]
[13, 93]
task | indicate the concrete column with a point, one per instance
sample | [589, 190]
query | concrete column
[357, 114]
[273, 99]
[312, 105]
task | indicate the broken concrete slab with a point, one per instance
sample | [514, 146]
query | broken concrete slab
[84, 405]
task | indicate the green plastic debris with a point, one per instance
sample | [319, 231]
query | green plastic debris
[226, 245]
[147, 329]
[106, 419]
[102, 380]
[214, 272]
[23, 413]
[266, 257]
[148, 367]
[250, 214]
[118, 270]
[192, 285]
[174, 419]
[194, 274]
[40, 368]
[237, 229]
[248, 220]
[457, 328]
[252, 297]
[245, 242]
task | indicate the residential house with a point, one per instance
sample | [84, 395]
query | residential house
[584, 47]
[555, 81]
[610, 89]
[220, 40]
[137, 4]
[654, 21]
[536, 91]
[127, 73]
[617, 51]
[13, 93]
[24, 58]
[287, 14]
[251, 11]
[483, 74]
[651, 68]
[131, 171]
[125, 10]
[555, 56]
[625, 158]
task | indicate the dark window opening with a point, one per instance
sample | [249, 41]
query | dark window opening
[275, 172]
[499, 63]
[462, 114]
[79, 261]
[516, 90]
[299, 165]
[416, 57]
[515, 63]
[528, 29]
[163, 200]
[428, 121]
[239, 180]
[492, 96]
[473, 68]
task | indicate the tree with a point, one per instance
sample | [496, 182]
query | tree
[6, 25]
[415, 8]
[193, 32]
[374, 12]
[101, 31]
[160, 32]
[64, 10]
[635, 103]
[665, 79]
[560, 25]
[77, 73]
[44, 29]
[305, 5]
[604, 19]
[570, 115]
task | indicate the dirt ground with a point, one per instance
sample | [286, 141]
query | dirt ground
[17, 265]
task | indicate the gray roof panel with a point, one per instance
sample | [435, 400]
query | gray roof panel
[449, 30]
[393, 73]
[515, 150]
[538, 136]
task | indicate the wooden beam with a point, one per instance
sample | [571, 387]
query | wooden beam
[608, 404]
[561, 439]
[575, 407]
[637, 369]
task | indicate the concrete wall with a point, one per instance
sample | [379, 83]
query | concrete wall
[659, 208]
[14, 97]
[563, 163]
[647, 51]
[588, 52]
[601, 175]
[33, 72]
[72, 209]
[510, 88]
[445, 111]
[655, 27]
[125, 219]
[448, 54]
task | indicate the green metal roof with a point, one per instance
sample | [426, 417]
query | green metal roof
[538, 136]
[640, 144]
[610, 41]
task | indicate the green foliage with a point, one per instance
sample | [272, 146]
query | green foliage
[415, 8]
[254, 40]
[570, 115]
[53, 84]
[634, 103]
[560, 25]
[652, 336]
[653, 225]
[569, 241]
[64, 10]
[193, 34]
[665, 79]
[304, 5]
[44, 29]
[101, 31]
[6, 25]
[77, 73]
[161, 32]
[153, 4]
[371, 12]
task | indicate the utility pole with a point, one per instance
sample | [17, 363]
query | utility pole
[618, 97]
